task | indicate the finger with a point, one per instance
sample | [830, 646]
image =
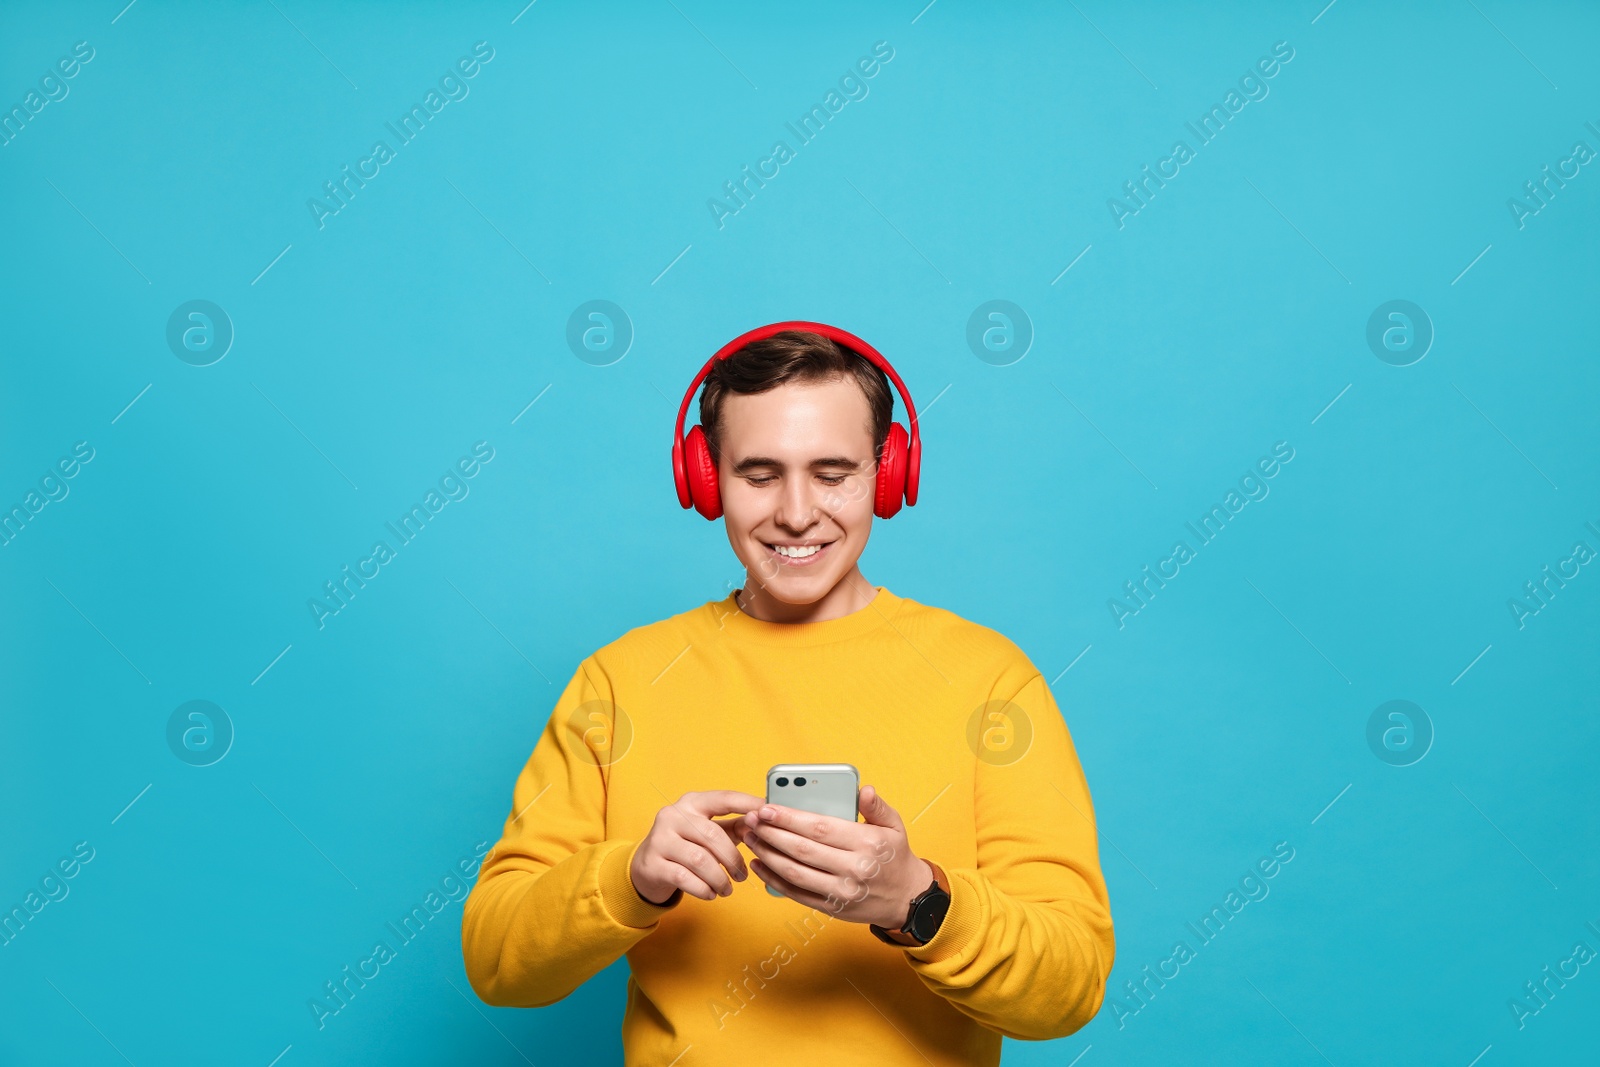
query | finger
[680, 877]
[827, 857]
[723, 845]
[877, 811]
[739, 831]
[792, 891]
[720, 802]
[734, 828]
[694, 822]
[825, 828]
[793, 872]
[692, 853]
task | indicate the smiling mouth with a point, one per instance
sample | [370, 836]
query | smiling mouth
[798, 555]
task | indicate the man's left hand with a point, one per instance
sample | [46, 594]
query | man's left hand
[861, 871]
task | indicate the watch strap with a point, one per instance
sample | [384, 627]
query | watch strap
[903, 936]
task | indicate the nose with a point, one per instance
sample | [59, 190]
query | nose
[797, 506]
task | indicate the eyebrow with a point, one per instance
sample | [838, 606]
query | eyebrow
[750, 463]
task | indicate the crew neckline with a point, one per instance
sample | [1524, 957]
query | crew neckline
[725, 614]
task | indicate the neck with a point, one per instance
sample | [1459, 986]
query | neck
[852, 593]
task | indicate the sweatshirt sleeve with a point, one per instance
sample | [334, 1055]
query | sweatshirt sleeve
[554, 903]
[1026, 946]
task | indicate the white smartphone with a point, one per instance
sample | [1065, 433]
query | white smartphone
[823, 788]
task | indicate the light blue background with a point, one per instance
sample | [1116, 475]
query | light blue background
[1223, 718]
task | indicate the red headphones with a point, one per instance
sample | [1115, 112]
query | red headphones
[695, 472]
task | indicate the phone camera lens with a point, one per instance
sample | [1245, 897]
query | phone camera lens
[799, 781]
[782, 781]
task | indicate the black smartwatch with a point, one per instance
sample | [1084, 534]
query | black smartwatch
[924, 917]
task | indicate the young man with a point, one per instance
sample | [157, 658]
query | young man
[627, 822]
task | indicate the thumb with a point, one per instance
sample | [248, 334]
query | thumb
[877, 811]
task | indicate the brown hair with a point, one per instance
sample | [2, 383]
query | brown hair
[793, 356]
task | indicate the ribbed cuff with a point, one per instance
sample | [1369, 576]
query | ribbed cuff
[621, 898]
[962, 923]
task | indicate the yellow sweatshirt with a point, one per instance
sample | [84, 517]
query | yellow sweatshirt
[947, 719]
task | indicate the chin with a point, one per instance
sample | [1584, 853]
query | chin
[797, 585]
[799, 591]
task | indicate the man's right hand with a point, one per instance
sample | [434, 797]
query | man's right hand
[688, 849]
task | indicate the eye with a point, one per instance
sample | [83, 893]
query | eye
[831, 479]
[761, 479]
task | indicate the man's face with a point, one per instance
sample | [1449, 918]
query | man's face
[797, 476]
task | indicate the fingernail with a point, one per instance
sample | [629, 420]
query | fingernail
[769, 813]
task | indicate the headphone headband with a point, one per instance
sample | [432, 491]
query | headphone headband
[838, 336]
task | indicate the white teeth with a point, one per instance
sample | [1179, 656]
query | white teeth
[797, 551]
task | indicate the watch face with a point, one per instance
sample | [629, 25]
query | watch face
[929, 915]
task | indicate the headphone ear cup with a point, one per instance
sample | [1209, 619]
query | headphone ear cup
[702, 475]
[891, 485]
